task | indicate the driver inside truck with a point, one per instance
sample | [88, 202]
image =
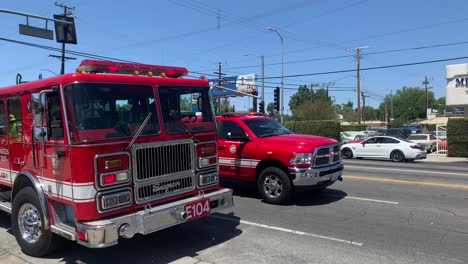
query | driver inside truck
[13, 126]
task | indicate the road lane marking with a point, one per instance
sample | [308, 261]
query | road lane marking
[458, 186]
[363, 199]
[286, 230]
[405, 170]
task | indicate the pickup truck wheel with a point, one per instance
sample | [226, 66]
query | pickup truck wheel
[28, 225]
[347, 153]
[275, 186]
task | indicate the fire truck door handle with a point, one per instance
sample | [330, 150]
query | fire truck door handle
[3, 141]
[221, 146]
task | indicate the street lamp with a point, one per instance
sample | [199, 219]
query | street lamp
[49, 71]
[262, 59]
[282, 76]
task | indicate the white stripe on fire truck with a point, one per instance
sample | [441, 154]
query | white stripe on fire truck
[248, 163]
[77, 192]
[62, 189]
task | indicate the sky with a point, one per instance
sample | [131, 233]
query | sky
[319, 37]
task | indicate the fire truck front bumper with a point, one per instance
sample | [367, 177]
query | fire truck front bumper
[316, 178]
[106, 232]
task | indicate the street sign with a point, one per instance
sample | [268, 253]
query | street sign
[36, 32]
[65, 33]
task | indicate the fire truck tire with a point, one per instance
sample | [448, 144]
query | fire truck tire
[27, 222]
[275, 186]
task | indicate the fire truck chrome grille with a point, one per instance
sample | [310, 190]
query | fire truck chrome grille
[161, 160]
[163, 169]
[327, 155]
[154, 191]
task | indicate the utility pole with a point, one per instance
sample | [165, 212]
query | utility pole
[67, 11]
[220, 83]
[391, 105]
[358, 80]
[364, 107]
[327, 85]
[426, 83]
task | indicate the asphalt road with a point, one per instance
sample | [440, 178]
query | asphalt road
[383, 212]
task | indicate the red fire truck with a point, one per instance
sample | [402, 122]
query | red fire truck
[112, 150]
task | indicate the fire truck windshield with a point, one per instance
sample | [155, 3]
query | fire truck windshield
[101, 110]
[186, 109]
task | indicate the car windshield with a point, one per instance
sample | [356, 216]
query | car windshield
[186, 109]
[417, 137]
[265, 127]
[101, 110]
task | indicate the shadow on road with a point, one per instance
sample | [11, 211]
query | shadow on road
[308, 198]
[165, 246]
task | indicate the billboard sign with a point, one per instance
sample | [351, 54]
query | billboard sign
[246, 83]
[242, 83]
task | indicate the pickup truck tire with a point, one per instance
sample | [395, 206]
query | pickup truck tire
[28, 225]
[275, 186]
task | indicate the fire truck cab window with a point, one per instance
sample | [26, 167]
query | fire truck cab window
[186, 109]
[2, 119]
[54, 116]
[100, 110]
[14, 116]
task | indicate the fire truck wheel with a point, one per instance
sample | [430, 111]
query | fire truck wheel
[27, 222]
[275, 186]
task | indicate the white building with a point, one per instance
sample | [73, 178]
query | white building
[457, 86]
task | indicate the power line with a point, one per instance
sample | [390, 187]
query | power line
[370, 68]
[348, 56]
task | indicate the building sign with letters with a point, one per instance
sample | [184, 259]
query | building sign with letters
[457, 85]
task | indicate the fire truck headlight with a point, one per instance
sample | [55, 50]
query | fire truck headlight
[207, 161]
[115, 200]
[207, 179]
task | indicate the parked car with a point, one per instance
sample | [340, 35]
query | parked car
[359, 138]
[260, 150]
[429, 141]
[398, 132]
[384, 147]
[348, 135]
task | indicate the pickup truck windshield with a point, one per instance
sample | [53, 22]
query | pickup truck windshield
[186, 109]
[101, 110]
[265, 127]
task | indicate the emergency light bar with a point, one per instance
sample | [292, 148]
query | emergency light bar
[97, 66]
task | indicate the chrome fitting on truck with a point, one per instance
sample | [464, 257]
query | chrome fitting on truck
[309, 177]
[106, 232]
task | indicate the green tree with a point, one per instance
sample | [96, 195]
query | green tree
[347, 111]
[303, 94]
[409, 103]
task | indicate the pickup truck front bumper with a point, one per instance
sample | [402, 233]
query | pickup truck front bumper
[106, 232]
[316, 178]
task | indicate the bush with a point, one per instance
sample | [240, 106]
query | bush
[330, 129]
[457, 137]
[353, 128]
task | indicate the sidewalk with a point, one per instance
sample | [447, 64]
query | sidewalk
[443, 158]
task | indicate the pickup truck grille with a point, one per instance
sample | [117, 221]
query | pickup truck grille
[327, 155]
[163, 169]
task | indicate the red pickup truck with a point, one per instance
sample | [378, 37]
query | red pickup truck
[259, 149]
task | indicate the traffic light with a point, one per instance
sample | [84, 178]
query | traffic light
[276, 99]
[261, 107]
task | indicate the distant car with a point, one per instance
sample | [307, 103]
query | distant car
[359, 138]
[429, 141]
[348, 135]
[398, 132]
[384, 147]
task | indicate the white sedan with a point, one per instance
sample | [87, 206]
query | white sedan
[384, 147]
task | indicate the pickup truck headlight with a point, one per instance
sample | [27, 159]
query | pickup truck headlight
[302, 159]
